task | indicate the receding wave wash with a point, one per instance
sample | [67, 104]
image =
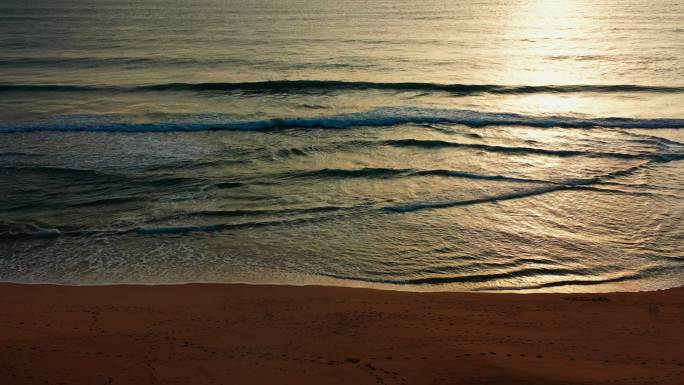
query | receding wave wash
[487, 145]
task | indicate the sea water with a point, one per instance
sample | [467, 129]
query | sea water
[474, 145]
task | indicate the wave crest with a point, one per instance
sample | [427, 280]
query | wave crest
[387, 116]
[318, 86]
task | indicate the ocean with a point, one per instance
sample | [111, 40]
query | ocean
[476, 145]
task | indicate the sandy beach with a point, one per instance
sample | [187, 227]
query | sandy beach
[246, 334]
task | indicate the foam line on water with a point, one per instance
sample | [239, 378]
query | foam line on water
[560, 186]
[386, 116]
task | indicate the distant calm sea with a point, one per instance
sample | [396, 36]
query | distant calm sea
[419, 145]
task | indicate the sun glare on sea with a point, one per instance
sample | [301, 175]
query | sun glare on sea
[550, 35]
[547, 39]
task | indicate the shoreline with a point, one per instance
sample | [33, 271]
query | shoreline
[329, 282]
[285, 334]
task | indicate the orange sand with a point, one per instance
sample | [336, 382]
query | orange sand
[243, 334]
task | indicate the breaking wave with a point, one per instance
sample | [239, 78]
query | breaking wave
[387, 116]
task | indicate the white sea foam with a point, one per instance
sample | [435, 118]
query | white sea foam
[387, 116]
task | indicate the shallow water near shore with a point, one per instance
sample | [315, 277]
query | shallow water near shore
[333, 146]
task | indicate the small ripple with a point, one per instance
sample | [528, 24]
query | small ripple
[476, 278]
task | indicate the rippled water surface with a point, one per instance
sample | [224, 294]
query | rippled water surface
[478, 145]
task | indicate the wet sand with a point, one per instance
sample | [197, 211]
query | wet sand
[245, 334]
